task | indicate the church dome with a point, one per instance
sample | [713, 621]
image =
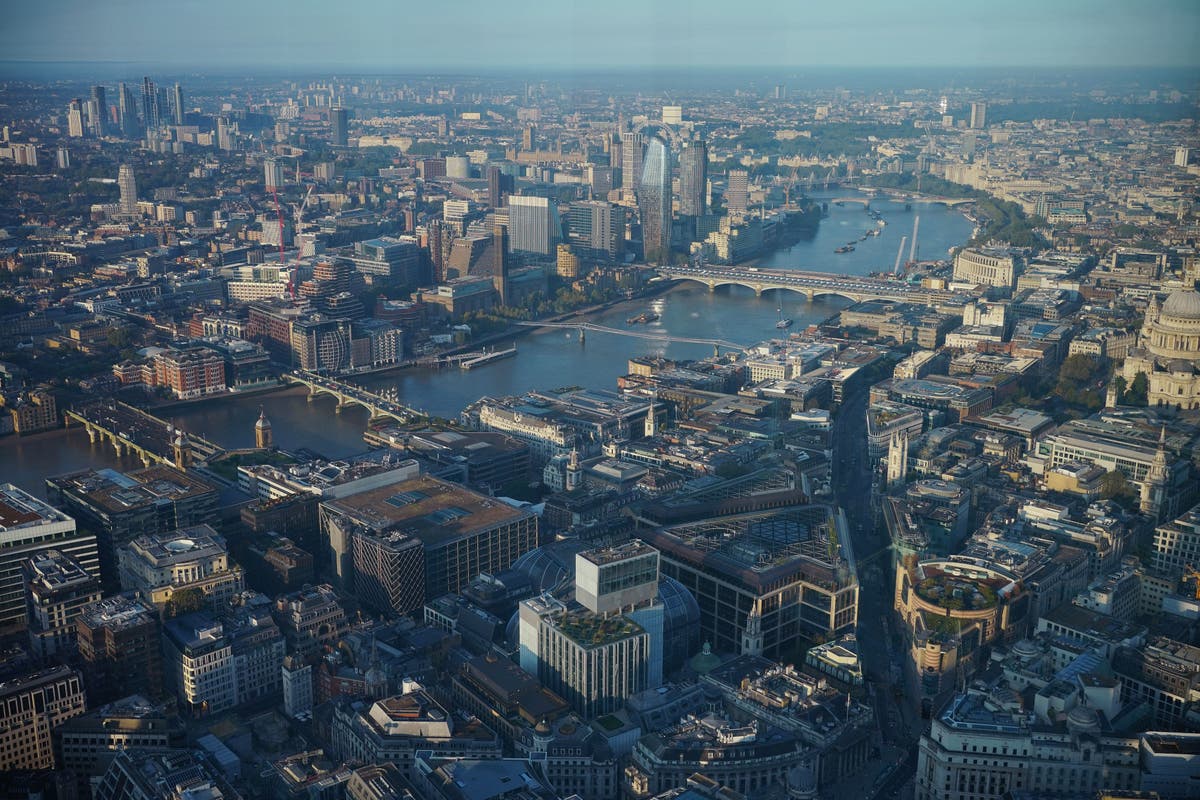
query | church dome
[1183, 304]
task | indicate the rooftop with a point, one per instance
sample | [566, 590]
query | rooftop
[607, 555]
[118, 612]
[19, 509]
[593, 630]
[429, 509]
[117, 492]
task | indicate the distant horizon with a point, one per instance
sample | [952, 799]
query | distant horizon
[665, 34]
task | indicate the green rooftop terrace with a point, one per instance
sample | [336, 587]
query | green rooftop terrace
[593, 630]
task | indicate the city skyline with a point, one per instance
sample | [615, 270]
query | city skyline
[672, 34]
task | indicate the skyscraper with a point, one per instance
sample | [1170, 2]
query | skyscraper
[128, 186]
[631, 159]
[738, 191]
[75, 119]
[693, 178]
[654, 202]
[597, 228]
[178, 104]
[150, 104]
[339, 124]
[500, 185]
[127, 111]
[532, 224]
[978, 116]
[101, 99]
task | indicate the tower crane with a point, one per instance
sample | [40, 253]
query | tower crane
[899, 255]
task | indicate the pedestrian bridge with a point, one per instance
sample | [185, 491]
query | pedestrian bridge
[810, 284]
[378, 405]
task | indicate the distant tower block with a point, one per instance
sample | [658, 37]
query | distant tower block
[262, 431]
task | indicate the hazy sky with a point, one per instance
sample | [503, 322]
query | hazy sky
[475, 34]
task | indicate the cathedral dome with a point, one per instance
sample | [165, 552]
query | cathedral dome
[1183, 305]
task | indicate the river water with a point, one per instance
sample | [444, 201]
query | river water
[545, 359]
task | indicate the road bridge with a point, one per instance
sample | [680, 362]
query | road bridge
[810, 284]
[378, 405]
[134, 432]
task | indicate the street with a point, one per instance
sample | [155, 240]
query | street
[898, 726]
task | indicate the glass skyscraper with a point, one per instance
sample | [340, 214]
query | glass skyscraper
[693, 178]
[654, 201]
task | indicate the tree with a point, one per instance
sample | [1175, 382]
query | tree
[1114, 485]
[185, 601]
[1138, 390]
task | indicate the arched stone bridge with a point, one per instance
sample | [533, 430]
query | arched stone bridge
[809, 284]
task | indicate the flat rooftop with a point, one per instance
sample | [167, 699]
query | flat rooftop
[19, 509]
[431, 510]
[608, 555]
[116, 492]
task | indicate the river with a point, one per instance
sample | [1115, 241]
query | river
[545, 359]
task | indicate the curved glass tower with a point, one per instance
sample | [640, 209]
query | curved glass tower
[654, 201]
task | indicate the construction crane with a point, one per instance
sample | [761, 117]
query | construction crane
[298, 208]
[912, 251]
[899, 255]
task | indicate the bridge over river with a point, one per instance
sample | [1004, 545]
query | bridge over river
[809, 284]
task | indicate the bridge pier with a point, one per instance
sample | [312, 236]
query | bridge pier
[582, 334]
[91, 432]
[145, 459]
[758, 290]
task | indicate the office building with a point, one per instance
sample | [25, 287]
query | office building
[297, 679]
[163, 775]
[122, 506]
[978, 116]
[1177, 544]
[29, 527]
[177, 104]
[989, 743]
[57, 590]
[596, 229]
[693, 178]
[120, 648]
[87, 744]
[605, 647]
[631, 160]
[127, 184]
[737, 192]
[500, 186]
[1166, 675]
[764, 580]
[389, 570]
[309, 775]
[388, 259]
[654, 202]
[566, 265]
[986, 267]
[461, 533]
[532, 224]
[1153, 463]
[339, 126]
[199, 664]
[31, 707]
[160, 565]
[311, 618]
[396, 728]
[378, 782]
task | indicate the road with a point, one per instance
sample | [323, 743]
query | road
[876, 643]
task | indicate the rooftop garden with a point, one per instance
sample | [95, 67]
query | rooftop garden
[956, 593]
[592, 630]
